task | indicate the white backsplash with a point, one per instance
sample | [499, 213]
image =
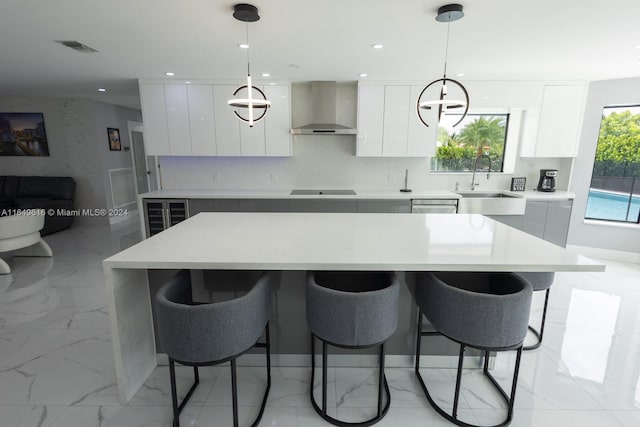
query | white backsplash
[330, 162]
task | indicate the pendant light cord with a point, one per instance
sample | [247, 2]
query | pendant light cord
[248, 48]
[446, 51]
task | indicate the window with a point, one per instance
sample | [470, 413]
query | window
[457, 148]
[614, 194]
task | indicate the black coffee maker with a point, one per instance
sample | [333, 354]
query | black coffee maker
[547, 180]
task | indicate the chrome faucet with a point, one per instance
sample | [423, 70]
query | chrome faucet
[475, 168]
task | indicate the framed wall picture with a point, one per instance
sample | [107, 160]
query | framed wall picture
[114, 139]
[23, 134]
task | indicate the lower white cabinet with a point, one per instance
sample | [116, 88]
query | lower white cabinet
[547, 219]
[388, 124]
[195, 120]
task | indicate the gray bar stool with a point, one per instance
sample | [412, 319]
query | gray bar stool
[354, 310]
[195, 334]
[540, 281]
[486, 311]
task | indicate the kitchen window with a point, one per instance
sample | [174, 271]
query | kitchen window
[457, 148]
[614, 194]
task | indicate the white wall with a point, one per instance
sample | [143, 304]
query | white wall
[76, 148]
[330, 162]
[112, 116]
[600, 235]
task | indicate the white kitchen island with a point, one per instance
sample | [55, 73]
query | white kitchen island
[308, 241]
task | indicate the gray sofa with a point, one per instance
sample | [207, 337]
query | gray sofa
[51, 193]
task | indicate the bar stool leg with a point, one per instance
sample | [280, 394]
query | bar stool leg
[234, 392]
[174, 393]
[381, 379]
[456, 396]
[324, 377]
[532, 329]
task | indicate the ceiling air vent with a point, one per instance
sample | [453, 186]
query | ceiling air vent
[76, 45]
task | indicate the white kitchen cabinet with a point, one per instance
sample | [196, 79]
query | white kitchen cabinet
[278, 121]
[370, 119]
[252, 139]
[388, 125]
[177, 106]
[195, 120]
[554, 129]
[227, 124]
[421, 140]
[201, 120]
[395, 121]
[154, 115]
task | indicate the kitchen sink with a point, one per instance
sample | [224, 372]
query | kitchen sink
[322, 193]
[490, 203]
[480, 194]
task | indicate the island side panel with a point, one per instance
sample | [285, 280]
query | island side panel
[132, 334]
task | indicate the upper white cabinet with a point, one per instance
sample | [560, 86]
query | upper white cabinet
[177, 106]
[370, 116]
[195, 120]
[554, 129]
[201, 120]
[278, 121]
[388, 125]
[227, 125]
[154, 115]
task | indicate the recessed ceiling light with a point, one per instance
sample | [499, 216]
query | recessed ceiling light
[101, 89]
[266, 74]
[363, 75]
[377, 46]
[460, 75]
[243, 46]
[187, 83]
[169, 73]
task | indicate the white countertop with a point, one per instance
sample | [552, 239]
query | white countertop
[360, 194]
[347, 241]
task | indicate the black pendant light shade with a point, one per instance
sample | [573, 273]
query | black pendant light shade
[245, 12]
[443, 103]
[248, 97]
[447, 13]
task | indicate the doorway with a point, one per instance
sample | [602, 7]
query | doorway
[146, 178]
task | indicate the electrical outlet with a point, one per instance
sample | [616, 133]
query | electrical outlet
[274, 177]
[391, 177]
[216, 177]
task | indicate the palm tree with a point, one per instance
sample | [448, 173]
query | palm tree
[485, 134]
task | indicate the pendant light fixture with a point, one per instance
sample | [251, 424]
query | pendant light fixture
[256, 108]
[448, 14]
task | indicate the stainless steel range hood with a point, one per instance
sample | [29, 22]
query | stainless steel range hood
[324, 119]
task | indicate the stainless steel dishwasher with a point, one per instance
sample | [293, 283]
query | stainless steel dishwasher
[442, 206]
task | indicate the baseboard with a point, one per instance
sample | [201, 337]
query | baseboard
[351, 361]
[610, 254]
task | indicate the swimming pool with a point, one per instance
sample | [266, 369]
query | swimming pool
[612, 206]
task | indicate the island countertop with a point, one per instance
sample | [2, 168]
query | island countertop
[348, 241]
[308, 241]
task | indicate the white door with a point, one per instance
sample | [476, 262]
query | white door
[143, 165]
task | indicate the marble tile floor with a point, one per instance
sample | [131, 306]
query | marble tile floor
[56, 364]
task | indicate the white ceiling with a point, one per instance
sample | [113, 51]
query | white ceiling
[327, 39]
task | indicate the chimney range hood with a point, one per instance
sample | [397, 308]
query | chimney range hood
[323, 113]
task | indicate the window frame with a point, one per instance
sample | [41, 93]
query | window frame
[510, 143]
[635, 179]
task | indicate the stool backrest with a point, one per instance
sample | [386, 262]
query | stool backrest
[487, 310]
[352, 308]
[210, 332]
